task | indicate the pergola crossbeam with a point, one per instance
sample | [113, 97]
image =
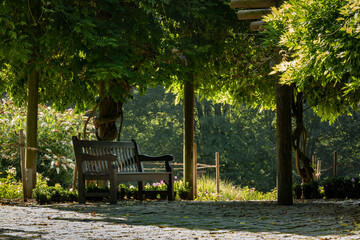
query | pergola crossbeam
[252, 3]
[252, 14]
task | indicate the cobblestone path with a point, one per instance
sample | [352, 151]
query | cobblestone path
[182, 220]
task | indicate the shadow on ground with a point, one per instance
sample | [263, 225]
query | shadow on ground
[303, 218]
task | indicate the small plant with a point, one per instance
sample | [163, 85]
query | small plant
[340, 187]
[45, 194]
[182, 189]
[10, 188]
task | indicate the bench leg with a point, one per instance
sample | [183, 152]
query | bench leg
[171, 193]
[113, 192]
[81, 185]
[141, 190]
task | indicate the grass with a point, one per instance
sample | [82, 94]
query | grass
[207, 191]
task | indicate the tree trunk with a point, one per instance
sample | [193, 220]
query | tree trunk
[31, 133]
[109, 112]
[299, 139]
[283, 140]
[189, 137]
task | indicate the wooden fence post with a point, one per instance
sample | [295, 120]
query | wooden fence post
[318, 174]
[314, 166]
[75, 168]
[335, 163]
[195, 170]
[22, 160]
[217, 173]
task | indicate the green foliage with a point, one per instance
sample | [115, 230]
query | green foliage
[45, 194]
[310, 190]
[244, 137]
[10, 188]
[321, 41]
[182, 189]
[55, 158]
[341, 187]
[74, 45]
[334, 187]
[207, 191]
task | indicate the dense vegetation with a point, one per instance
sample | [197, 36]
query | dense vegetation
[244, 137]
[90, 53]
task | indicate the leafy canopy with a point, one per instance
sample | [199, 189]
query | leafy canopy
[321, 39]
[77, 44]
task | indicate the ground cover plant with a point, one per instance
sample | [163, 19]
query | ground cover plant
[206, 191]
[10, 188]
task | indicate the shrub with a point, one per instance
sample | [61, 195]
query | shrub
[182, 189]
[55, 152]
[311, 190]
[45, 194]
[340, 187]
[10, 188]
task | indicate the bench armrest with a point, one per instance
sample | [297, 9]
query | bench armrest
[166, 158]
[147, 158]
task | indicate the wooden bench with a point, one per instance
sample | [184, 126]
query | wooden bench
[117, 162]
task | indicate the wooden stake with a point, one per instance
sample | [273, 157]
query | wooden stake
[195, 170]
[314, 165]
[22, 160]
[75, 169]
[217, 173]
[335, 163]
[318, 170]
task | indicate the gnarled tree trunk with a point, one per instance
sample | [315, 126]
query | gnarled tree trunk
[303, 163]
[109, 112]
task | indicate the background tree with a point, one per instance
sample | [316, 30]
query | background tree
[35, 55]
[321, 43]
[244, 136]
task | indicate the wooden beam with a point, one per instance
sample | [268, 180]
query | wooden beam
[252, 3]
[252, 14]
[257, 25]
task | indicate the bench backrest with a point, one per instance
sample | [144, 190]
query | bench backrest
[126, 153]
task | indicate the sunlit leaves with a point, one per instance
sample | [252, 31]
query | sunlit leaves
[322, 42]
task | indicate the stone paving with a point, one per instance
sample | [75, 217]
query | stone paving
[176, 220]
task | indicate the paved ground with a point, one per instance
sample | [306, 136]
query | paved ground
[182, 220]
